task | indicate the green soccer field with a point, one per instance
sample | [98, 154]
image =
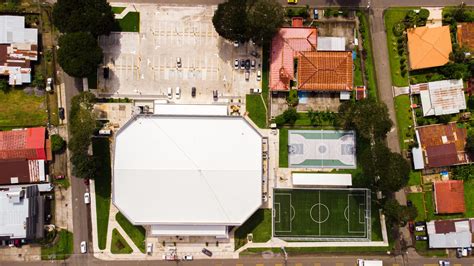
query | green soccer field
[321, 213]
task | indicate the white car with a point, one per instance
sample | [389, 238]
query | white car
[259, 75]
[188, 257]
[178, 92]
[170, 93]
[83, 247]
[49, 84]
[420, 228]
[236, 64]
[87, 198]
[236, 43]
[149, 248]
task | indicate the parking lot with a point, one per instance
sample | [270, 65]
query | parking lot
[144, 65]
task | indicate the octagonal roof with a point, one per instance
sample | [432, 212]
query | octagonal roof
[187, 170]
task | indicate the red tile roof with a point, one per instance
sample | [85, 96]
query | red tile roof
[297, 22]
[23, 144]
[443, 145]
[325, 71]
[449, 196]
[286, 44]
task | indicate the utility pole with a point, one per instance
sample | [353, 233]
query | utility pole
[285, 255]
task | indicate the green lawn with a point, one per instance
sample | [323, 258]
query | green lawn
[320, 213]
[393, 16]
[119, 244]
[18, 109]
[423, 249]
[256, 109]
[283, 148]
[118, 9]
[417, 200]
[129, 23]
[415, 178]
[61, 250]
[404, 119]
[376, 225]
[332, 250]
[136, 233]
[358, 81]
[369, 61]
[265, 71]
[259, 224]
[101, 149]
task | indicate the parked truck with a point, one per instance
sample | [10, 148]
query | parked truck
[362, 262]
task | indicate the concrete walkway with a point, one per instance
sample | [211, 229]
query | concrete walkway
[128, 8]
[382, 68]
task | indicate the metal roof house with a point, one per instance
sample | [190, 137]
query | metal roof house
[18, 47]
[450, 233]
[21, 213]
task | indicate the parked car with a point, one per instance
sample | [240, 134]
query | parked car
[149, 248]
[411, 227]
[420, 223]
[188, 257]
[459, 252]
[247, 75]
[207, 252]
[61, 113]
[259, 75]
[292, 2]
[420, 228]
[444, 263]
[49, 84]
[86, 181]
[178, 62]
[60, 177]
[83, 247]
[193, 92]
[252, 64]
[87, 198]
[315, 13]
[242, 64]
[178, 92]
[170, 93]
[247, 64]
[409, 203]
[106, 72]
[254, 53]
[215, 95]
[236, 43]
[236, 64]
[421, 238]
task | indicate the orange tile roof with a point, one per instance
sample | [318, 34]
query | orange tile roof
[286, 44]
[465, 34]
[449, 196]
[325, 71]
[429, 47]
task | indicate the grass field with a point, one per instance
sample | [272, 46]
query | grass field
[103, 181]
[369, 61]
[283, 148]
[119, 245]
[358, 71]
[61, 250]
[129, 23]
[256, 109]
[118, 9]
[18, 109]
[307, 213]
[136, 233]
[404, 119]
[391, 17]
[259, 224]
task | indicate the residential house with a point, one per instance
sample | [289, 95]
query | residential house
[22, 171]
[441, 97]
[428, 47]
[439, 146]
[22, 212]
[18, 47]
[450, 233]
[449, 196]
[465, 34]
[26, 143]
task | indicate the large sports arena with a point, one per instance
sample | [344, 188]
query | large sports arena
[187, 175]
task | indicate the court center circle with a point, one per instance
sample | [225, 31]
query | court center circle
[319, 213]
[323, 148]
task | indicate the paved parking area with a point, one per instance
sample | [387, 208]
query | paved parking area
[143, 65]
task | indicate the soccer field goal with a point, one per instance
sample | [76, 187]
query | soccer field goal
[322, 214]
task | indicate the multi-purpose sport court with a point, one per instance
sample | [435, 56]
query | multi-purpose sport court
[321, 213]
[321, 149]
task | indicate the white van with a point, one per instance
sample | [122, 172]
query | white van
[178, 92]
[170, 93]
[149, 248]
[83, 247]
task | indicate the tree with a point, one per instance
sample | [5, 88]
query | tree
[398, 213]
[241, 20]
[368, 117]
[57, 143]
[4, 86]
[292, 98]
[290, 115]
[455, 70]
[78, 54]
[84, 166]
[265, 18]
[94, 16]
[230, 20]
[470, 141]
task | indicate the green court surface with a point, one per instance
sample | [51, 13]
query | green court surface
[321, 213]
